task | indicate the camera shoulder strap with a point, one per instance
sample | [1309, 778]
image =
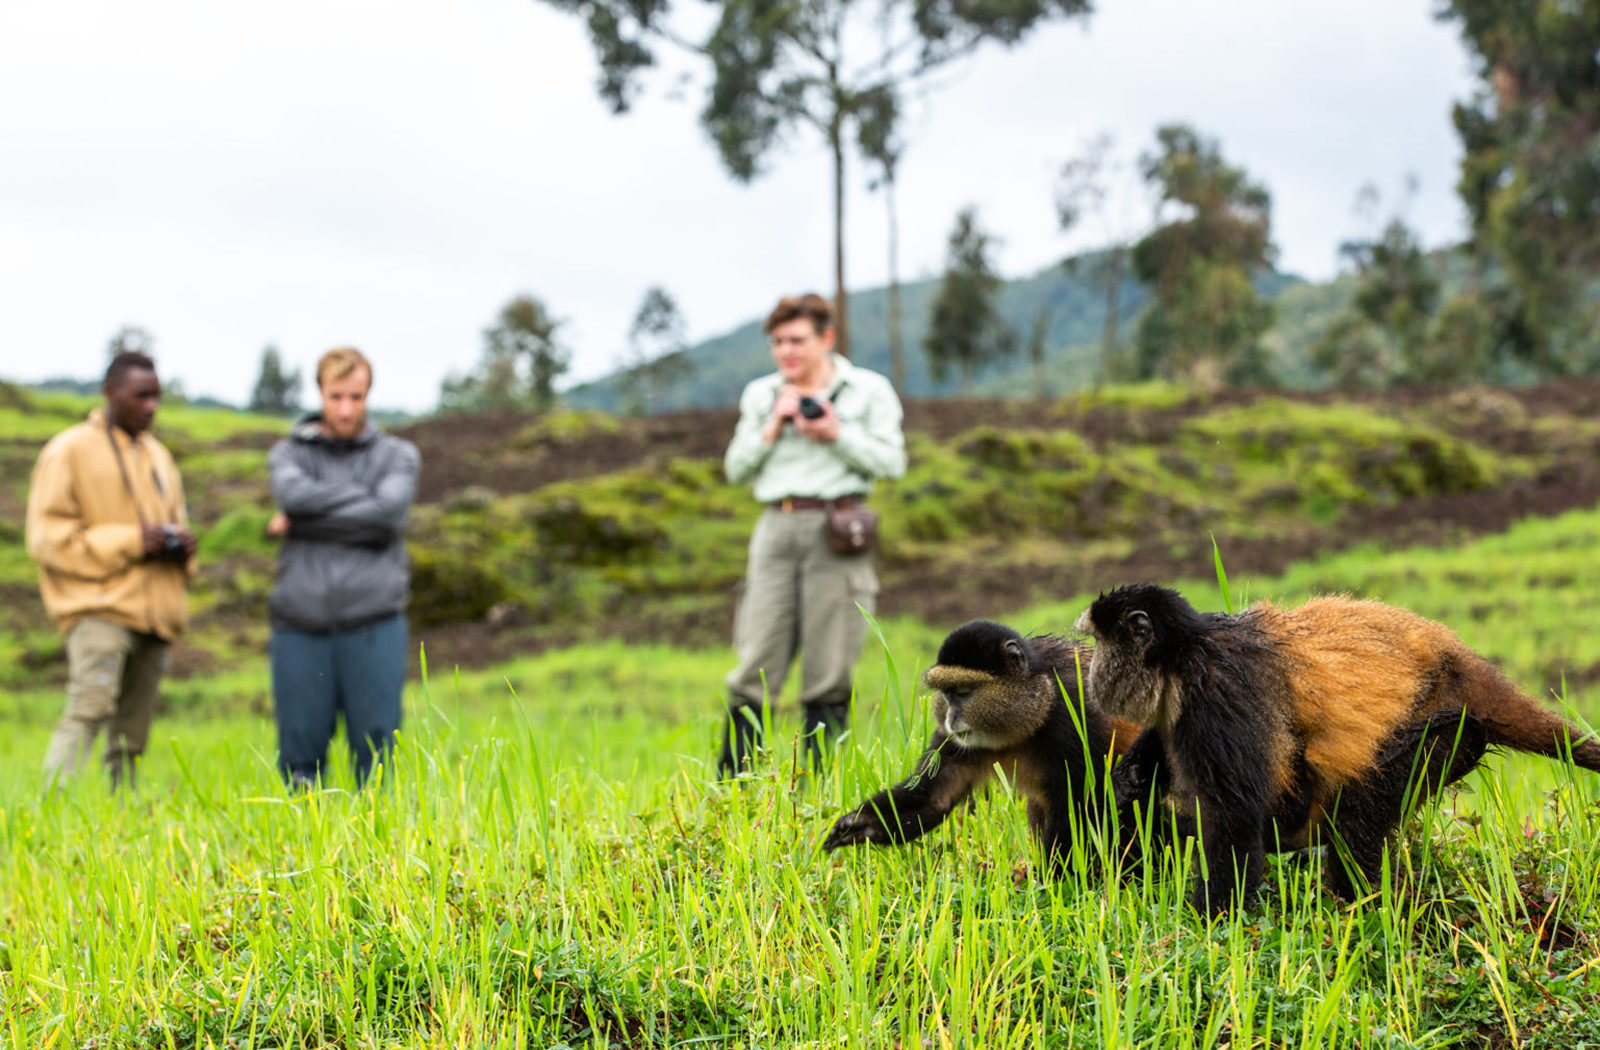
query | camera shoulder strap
[122, 468]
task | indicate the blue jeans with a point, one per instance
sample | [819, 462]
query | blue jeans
[360, 672]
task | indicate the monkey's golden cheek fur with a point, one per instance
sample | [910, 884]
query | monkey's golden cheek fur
[1127, 689]
[966, 707]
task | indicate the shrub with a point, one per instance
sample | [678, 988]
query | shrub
[451, 586]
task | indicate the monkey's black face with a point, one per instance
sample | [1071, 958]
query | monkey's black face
[989, 697]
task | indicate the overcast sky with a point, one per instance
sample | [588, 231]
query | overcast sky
[388, 173]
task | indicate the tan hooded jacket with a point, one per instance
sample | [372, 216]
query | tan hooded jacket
[84, 529]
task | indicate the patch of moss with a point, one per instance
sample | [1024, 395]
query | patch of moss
[1023, 451]
[452, 587]
[242, 530]
[209, 466]
[30, 655]
[564, 427]
[38, 418]
[16, 567]
[1139, 396]
[571, 529]
[1335, 455]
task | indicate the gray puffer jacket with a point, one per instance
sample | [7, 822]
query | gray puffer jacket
[344, 562]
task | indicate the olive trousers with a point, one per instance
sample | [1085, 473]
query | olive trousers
[799, 596]
[113, 679]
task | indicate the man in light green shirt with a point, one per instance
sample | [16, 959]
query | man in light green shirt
[816, 432]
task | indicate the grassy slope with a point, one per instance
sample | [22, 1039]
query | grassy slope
[552, 868]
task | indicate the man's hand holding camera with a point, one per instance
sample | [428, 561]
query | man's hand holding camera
[172, 543]
[813, 417]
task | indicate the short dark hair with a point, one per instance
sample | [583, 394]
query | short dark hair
[811, 306]
[125, 361]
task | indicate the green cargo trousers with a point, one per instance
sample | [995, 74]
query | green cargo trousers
[113, 677]
[798, 595]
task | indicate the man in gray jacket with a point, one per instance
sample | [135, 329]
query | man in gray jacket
[344, 492]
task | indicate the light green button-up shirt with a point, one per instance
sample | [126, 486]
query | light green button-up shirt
[870, 445]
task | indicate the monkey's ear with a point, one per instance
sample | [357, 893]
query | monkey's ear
[1016, 656]
[1139, 623]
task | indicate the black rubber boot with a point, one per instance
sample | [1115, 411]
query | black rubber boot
[122, 767]
[824, 721]
[741, 739]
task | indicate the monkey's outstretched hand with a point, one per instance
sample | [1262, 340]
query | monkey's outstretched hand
[856, 827]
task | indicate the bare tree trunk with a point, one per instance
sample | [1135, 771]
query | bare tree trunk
[897, 360]
[1036, 349]
[841, 303]
[1112, 267]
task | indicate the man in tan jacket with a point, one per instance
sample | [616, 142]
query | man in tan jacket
[108, 527]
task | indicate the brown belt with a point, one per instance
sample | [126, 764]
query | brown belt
[791, 503]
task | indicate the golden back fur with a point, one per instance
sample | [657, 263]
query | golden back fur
[1357, 672]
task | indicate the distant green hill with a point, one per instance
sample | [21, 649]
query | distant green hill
[1076, 308]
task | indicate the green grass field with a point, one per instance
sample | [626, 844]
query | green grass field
[549, 864]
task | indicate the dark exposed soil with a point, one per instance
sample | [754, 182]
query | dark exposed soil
[468, 451]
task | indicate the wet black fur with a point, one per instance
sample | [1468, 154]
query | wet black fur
[1061, 773]
[980, 646]
[1219, 739]
[1231, 681]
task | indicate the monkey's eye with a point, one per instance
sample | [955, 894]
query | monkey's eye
[959, 696]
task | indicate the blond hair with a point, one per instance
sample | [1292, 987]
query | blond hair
[340, 362]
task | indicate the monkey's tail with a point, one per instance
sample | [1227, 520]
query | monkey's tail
[1514, 719]
[1552, 737]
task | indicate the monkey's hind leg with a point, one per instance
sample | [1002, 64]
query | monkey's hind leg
[1413, 765]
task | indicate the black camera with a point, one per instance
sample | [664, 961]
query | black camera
[811, 408]
[172, 548]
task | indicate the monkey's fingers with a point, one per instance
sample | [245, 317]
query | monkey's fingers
[853, 829]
